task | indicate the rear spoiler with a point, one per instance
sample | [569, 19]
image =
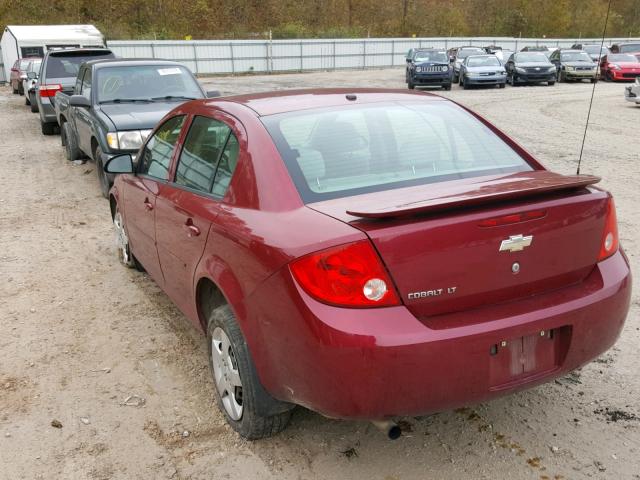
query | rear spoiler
[479, 191]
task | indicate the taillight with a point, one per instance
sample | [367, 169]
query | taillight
[350, 275]
[49, 90]
[609, 244]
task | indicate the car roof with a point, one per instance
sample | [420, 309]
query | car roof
[55, 51]
[271, 103]
[123, 62]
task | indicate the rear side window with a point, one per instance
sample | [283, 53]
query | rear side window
[65, 65]
[208, 158]
[337, 153]
[157, 153]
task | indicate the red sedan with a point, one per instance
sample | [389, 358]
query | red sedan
[368, 253]
[619, 66]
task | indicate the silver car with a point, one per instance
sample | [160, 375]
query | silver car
[30, 82]
[482, 70]
[632, 92]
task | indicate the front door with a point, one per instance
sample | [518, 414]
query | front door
[83, 116]
[141, 192]
[187, 206]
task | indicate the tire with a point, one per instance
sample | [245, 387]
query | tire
[15, 90]
[411, 85]
[20, 89]
[608, 77]
[594, 80]
[456, 77]
[447, 87]
[48, 128]
[103, 179]
[231, 364]
[122, 241]
[551, 83]
[501, 85]
[26, 100]
[34, 104]
[70, 143]
[559, 77]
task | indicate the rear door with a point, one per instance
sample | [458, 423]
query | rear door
[141, 191]
[186, 207]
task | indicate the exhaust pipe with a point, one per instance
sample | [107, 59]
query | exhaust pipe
[389, 428]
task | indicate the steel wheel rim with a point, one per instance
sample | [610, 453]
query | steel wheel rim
[122, 241]
[226, 374]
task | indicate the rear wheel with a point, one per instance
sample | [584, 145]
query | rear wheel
[20, 89]
[48, 128]
[238, 388]
[34, 104]
[68, 139]
[15, 90]
[594, 80]
[26, 100]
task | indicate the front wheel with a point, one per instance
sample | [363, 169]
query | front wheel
[103, 179]
[411, 85]
[122, 241]
[447, 87]
[551, 83]
[501, 85]
[69, 142]
[34, 105]
[239, 391]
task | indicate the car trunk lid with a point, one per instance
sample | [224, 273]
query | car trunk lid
[467, 243]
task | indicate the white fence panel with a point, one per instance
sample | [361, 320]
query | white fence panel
[207, 57]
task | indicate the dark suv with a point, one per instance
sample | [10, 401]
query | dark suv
[530, 67]
[428, 67]
[58, 73]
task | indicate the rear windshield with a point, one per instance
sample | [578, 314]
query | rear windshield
[338, 153]
[64, 65]
[465, 52]
[630, 47]
[137, 82]
[595, 50]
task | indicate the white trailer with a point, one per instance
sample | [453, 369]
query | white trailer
[20, 41]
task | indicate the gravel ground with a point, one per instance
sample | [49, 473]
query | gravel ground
[101, 377]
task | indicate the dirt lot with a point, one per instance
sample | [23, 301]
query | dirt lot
[101, 350]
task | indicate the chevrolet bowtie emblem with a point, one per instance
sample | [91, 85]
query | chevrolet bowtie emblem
[515, 243]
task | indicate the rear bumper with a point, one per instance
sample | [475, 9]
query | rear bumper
[376, 363]
[47, 111]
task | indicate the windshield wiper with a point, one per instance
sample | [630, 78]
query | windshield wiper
[173, 97]
[126, 100]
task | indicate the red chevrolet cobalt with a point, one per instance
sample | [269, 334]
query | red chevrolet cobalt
[368, 253]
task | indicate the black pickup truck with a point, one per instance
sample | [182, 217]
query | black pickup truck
[116, 103]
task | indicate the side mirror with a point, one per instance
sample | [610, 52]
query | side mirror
[119, 164]
[32, 75]
[79, 101]
[213, 94]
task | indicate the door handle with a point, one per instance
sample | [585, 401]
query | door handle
[148, 205]
[192, 230]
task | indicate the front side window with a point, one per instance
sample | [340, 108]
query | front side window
[157, 153]
[333, 153]
[203, 153]
[86, 84]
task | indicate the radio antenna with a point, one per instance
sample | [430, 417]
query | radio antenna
[593, 90]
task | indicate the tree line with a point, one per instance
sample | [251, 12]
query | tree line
[211, 19]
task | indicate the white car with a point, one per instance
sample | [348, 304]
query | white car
[30, 82]
[632, 92]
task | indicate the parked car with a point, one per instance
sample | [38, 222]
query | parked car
[368, 253]
[632, 92]
[461, 54]
[574, 65]
[619, 66]
[530, 67]
[18, 74]
[626, 47]
[428, 67]
[595, 50]
[30, 82]
[535, 48]
[115, 104]
[482, 70]
[503, 55]
[58, 73]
